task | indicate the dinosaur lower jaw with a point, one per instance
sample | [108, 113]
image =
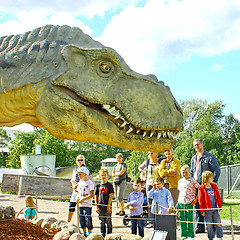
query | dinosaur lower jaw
[118, 118]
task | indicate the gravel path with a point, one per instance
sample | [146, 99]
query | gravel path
[59, 210]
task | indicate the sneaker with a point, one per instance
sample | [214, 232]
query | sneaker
[117, 213]
[150, 225]
[122, 213]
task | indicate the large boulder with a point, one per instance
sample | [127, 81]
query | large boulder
[62, 235]
[77, 236]
[130, 237]
[114, 236]
[148, 236]
[71, 228]
[48, 222]
[59, 224]
[95, 236]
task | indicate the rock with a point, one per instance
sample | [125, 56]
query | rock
[48, 222]
[9, 212]
[1, 213]
[59, 224]
[38, 221]
[95, 236]
[77, 236]
[148, 236]
[71, 228]
[114, 236]
[62, 235]
[130, 237]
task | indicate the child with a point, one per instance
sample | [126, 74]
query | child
[85, 191]
[103, 199]
[186, 199]
[209, 198]
[161, 197]
[135, 203]
[30, 208]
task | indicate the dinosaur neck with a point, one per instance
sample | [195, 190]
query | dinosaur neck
[18, 106]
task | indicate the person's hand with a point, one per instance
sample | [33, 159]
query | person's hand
[127, 204]
[203, 214]
[173, 172]
[144, 172]
[154, 186]
[169, 210]
[80, 200]
[131, 207]
[75, 187]
[193, 202]
[109, 210]
[98, 210]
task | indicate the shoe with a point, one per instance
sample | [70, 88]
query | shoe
[122, 213]
[199, 231]
[183, 238]
[150, 225]
[117, 213]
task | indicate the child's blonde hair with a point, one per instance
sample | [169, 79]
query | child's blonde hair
[206, 175]
[119, 155]
[103, 170]
[185, 168]
[30, 202]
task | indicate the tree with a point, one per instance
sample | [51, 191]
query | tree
[4, 140]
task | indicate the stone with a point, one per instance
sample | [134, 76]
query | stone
[77, 236]
[48, 222]
[62, 235]
[95, 236]
[71, 228]
[148, 236]
[59, 224]
[38, 221]
[131, 237]
[114, 236]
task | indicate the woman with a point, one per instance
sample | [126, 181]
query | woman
[119, 183]
[80, 161]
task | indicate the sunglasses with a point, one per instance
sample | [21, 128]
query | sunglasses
[80, 160]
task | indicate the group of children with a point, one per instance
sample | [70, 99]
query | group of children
[208, 198]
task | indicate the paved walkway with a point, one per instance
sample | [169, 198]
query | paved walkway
[59, 210]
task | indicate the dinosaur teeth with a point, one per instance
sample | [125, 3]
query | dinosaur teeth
[130, 130]
[159, 134]
[152, 132]
[138, 131]
[145, 133]
[124, 124]
[118, 116]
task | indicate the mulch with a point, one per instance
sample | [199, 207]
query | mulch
[23, 229]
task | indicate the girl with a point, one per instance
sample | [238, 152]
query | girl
[30, 208]
[209, 200]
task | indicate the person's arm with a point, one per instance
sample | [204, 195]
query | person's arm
[109, 210]
[142, 167]
[170, 201]
[123, 170]
[214, 168]
[19, 212]
[96, 202]
[87, 197]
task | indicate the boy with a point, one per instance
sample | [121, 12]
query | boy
[135, 203]
[85, 191]
[161, 197]
[103, 199]
[187, 188]
[209, 201]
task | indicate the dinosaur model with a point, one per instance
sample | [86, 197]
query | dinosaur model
[61, 79]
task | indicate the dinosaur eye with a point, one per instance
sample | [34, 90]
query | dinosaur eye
[105, 68]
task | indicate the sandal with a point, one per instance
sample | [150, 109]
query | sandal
[122, 213]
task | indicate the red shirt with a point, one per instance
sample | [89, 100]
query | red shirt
[204, 199]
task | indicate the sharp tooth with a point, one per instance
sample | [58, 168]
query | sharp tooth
[138, 131]
[145, 133]
[112, 107]
[124, 124]
[152, 132]
[130, 130]
[118, 116]
[164, 134]
[159, 134]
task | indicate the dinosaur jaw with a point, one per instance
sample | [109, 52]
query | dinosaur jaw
[119, 119]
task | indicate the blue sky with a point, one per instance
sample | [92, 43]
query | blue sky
[191, 45]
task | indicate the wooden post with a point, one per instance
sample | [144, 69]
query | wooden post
[36, 197]
[231, 219]
[78, 229]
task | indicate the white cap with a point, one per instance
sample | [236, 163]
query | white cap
[83, 170]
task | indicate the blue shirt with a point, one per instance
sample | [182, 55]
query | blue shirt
[210, 192]
[136, 199]
[163, 198]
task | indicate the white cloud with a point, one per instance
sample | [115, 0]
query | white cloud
[216, 67]
[163, 34]
[237, 116]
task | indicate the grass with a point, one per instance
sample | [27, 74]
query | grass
[225, 213]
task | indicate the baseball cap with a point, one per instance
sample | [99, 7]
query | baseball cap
[83, 170]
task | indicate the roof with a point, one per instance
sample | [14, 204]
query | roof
[109, 160]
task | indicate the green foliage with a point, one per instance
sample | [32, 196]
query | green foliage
[134, 161]
[4, 138]
[225, 213]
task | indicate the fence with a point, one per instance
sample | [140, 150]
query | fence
[229, 180]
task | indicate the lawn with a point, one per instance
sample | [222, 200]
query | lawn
[225, 213]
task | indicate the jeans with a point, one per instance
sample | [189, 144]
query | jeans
[135, 221]
[150, 215]
[213, 217]
[105, 220]
[85, 217]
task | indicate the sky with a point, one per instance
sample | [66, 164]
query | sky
[191, 45]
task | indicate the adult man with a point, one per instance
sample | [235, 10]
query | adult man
[200, 162]
[169, 169]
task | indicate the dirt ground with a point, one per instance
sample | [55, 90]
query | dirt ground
[59, 210]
